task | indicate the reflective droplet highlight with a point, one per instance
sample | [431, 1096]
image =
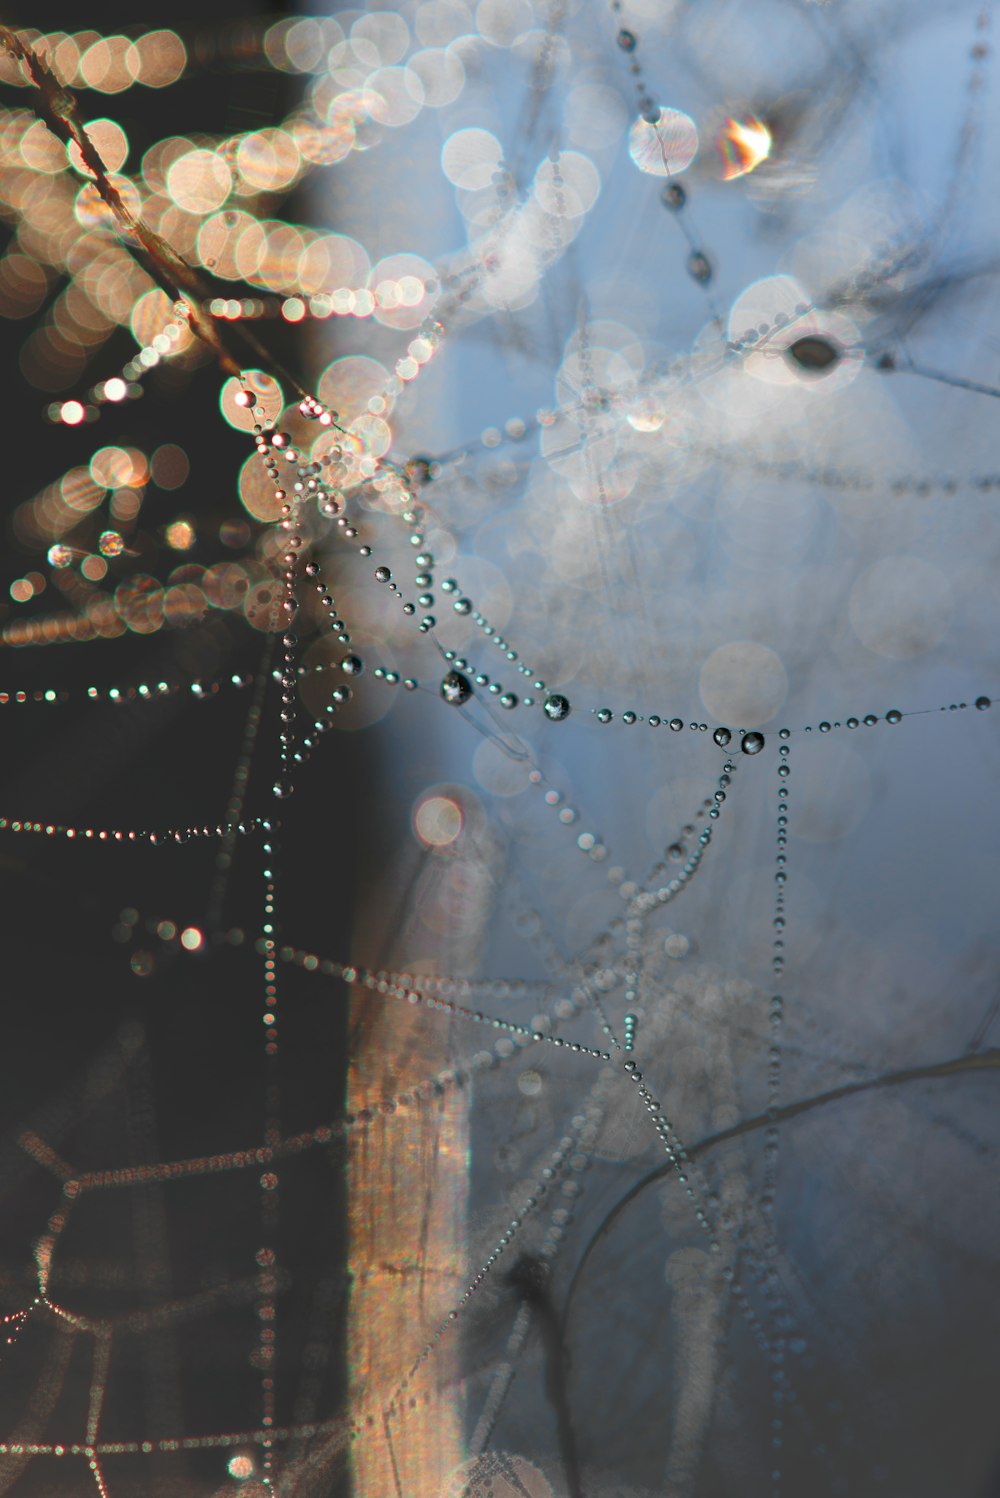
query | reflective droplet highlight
[743, 144]
[456, 688]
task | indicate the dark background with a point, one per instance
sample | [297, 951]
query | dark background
[71, 1000]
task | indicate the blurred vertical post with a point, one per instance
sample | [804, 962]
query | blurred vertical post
[408, 1169]
[407, 1188]
[408, 1178]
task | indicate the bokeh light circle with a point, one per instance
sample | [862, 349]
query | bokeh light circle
[743, 683]
[349, 383]
[109, 141]
[441, 73]
[900, 606]
[665, 147]
[199, 181]
[470, 157]
[437, 820]
[268, 407]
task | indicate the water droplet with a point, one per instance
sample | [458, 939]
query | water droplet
[456, 688]
[814, 354]
[605, 715]
[983, 704]
[282, 790]
[824, 727]
[676, 725]
[852, 722]
[462, 605]
[699, 267]
[419, 468]
[673, 196]
[752, 743]
[508, 700]
[626, 40]
[352, 665]
[382, 575]
[629, 718]
[870, 720]
[722, 737]
[556, 707]
[894, 715]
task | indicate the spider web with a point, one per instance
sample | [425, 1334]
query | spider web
[672, 704]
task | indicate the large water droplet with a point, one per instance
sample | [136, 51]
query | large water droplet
[814, 354]
[556, 707]
[722, 737]
[752, 743]
[456, 688]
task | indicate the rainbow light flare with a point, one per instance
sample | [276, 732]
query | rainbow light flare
[743, 144]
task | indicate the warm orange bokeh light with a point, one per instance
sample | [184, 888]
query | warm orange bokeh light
[743, 144]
